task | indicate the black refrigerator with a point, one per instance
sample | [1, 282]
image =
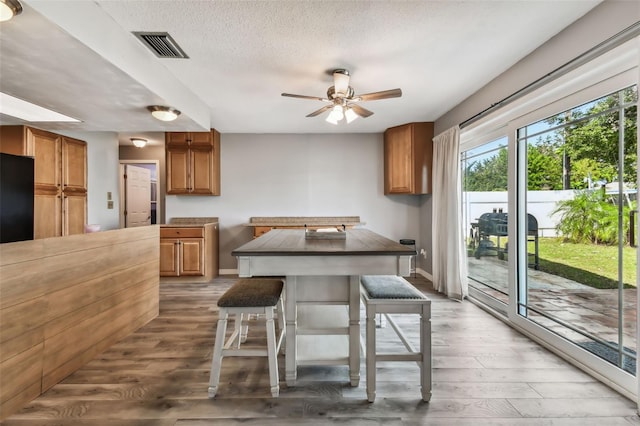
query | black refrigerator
[16, 198]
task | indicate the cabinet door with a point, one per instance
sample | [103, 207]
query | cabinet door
[74, 165]
[399, 169]
[178, 171]
[47, 214]
[177, 139]
[192, 252]
[201, 139]
[202, 172]
[74, 213]
[45, 148]
[169, 257]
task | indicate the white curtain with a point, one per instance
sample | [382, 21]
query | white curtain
[449, 254]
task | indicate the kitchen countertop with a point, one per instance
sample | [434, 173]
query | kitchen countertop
[290, 242]
[305, 220]
[177, 222]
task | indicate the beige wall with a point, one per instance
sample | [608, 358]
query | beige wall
[300, 175]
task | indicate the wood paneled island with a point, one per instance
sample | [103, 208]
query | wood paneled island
[64, 300]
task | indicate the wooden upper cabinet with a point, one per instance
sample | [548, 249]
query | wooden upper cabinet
[45, 148]
[190, 139]
[202, 173]
[178, 171]
[177, 139]
[74, 166]
[408, 157]
[203, 139]
[193, 163]
[60, 181]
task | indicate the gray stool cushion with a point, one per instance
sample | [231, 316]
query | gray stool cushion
[389, 287]
[252, 292]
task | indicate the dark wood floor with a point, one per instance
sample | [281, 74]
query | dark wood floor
[484, 373]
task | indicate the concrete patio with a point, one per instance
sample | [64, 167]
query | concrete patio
[589, 311]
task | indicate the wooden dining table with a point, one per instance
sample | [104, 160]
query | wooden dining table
[322, 289]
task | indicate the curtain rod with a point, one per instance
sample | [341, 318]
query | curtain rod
[612, 42]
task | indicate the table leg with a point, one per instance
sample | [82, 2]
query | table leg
[291, 316]
[354, 330]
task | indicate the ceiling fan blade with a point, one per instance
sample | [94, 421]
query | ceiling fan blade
[362, 112]
[320, 111]
[385, 94]
[341, 81]
[290, 95]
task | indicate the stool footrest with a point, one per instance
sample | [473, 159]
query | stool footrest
[407, 356]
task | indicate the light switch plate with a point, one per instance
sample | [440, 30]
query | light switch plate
[109, 204]
[109, 196]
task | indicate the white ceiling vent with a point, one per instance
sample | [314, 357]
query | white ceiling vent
[162, 44]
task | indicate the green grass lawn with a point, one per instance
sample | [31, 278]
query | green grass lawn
[590, 264]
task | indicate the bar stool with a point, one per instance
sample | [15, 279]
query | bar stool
[249, 296]
[389, 294]
[412, 243]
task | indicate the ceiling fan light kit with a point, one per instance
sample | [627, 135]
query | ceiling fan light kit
[350, 115]
[342, 99]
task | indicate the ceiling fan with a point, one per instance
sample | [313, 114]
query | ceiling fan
[342, 101]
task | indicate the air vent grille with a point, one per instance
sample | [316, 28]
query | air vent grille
[161, 44]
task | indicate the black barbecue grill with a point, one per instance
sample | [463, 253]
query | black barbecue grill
[495, 225]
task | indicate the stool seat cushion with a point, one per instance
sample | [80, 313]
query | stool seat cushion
[252, 292]
[389, 287]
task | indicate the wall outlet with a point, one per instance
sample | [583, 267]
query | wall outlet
[423, 253]
[109, 204]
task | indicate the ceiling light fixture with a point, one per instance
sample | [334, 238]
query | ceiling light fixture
[163, 113]
[9, 9]
[139, 142]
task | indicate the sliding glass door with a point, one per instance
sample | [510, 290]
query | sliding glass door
[484, 201]
[577, 241]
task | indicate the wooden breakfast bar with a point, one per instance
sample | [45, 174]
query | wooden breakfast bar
[322, 290]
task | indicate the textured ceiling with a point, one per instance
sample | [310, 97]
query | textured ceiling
[80, 58]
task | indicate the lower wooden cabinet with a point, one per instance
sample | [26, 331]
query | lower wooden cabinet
[189, 251]
[180, 257]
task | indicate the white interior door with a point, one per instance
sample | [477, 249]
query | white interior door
[137, 196]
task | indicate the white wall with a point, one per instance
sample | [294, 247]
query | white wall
[300, 175]
[102, 176]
